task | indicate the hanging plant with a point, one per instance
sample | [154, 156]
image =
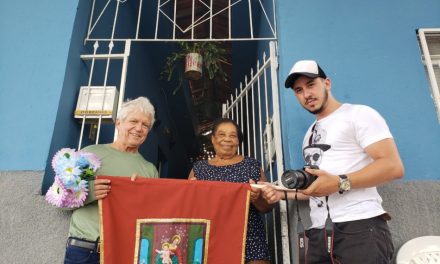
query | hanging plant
[193, 66]
[202, 59]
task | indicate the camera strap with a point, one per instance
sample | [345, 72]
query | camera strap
[302, 256]
[312, 131]
[329, 235]
[300, 230]
[328, 222]
[288, 224]
[328, 232]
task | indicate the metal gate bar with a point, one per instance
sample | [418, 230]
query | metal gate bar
[248, 108]
[108, 57]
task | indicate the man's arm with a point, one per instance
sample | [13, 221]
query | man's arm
[387, 166]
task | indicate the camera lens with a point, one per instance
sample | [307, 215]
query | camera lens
[293, 179]
[297, 179]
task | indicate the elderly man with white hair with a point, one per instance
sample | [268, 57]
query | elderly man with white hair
[120, 158]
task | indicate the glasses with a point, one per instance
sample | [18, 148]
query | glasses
[314, 157]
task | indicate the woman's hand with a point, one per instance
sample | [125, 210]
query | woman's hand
[255, 192]
[270, 194]
[257, 199]
[191, 175]
[102, 188]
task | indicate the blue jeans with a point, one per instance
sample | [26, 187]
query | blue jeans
[76, 255]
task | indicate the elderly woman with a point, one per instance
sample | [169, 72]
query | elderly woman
[120, 158]
[228, 166]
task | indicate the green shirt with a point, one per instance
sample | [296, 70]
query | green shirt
[85, 220]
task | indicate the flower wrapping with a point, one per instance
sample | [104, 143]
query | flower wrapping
[73, 170]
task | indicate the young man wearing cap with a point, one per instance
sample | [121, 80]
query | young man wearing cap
[359, 155]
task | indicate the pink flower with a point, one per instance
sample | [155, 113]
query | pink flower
[57, 193]
[76, 199]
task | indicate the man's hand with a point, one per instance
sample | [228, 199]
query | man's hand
[134, 176]
[324, 185]
[102, 188]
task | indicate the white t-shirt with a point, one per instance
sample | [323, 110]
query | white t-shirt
[338, 144]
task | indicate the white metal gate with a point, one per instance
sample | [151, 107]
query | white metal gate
[255, 107]
[96, 116]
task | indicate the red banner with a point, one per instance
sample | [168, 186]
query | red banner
[165, 221]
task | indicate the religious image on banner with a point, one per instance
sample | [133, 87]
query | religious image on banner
[171, 241]
[172, 221]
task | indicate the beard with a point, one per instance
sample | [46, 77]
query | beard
[323, 105]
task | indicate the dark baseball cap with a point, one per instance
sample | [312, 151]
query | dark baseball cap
[309, 68]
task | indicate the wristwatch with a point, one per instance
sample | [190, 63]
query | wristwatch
[344, 184]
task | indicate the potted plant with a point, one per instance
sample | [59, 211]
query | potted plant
[202, 58]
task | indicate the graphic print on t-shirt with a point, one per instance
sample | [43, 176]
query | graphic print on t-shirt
[314, 152]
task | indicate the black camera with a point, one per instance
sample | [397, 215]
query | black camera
[298, 179]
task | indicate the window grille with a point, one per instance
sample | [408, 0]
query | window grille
[429, 40]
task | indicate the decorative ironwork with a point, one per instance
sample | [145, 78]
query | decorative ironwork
[177, 20]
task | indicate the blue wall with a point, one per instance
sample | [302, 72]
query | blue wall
[369, 49]
[35, 39]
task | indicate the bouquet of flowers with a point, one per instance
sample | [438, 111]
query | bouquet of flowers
[73, 169]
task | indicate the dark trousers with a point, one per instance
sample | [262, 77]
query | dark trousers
[366, 241]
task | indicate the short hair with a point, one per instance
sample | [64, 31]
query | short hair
[220, 121]
[139, 104]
